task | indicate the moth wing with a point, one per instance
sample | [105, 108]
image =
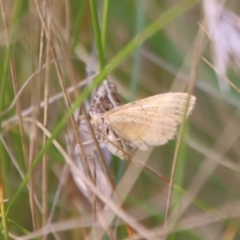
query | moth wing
[143, 132]
[167, 103]
[106, 98]
[151, 121]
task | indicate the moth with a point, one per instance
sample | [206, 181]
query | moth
[152, 121]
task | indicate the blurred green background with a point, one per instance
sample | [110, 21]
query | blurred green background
[146, 47]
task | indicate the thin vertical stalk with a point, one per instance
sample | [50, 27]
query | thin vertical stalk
[190, 87]
[2, 208]
[104, 22]
[45, 113]
[97, 34]
[139, 24]
[75, 34]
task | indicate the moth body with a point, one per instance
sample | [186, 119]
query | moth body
[105, 134]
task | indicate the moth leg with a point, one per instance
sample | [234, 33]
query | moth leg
[81, 119]
[88, 142]
[117, 139]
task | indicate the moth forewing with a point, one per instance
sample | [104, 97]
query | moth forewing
[150, 121]
[105, 99]
[164, 103]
